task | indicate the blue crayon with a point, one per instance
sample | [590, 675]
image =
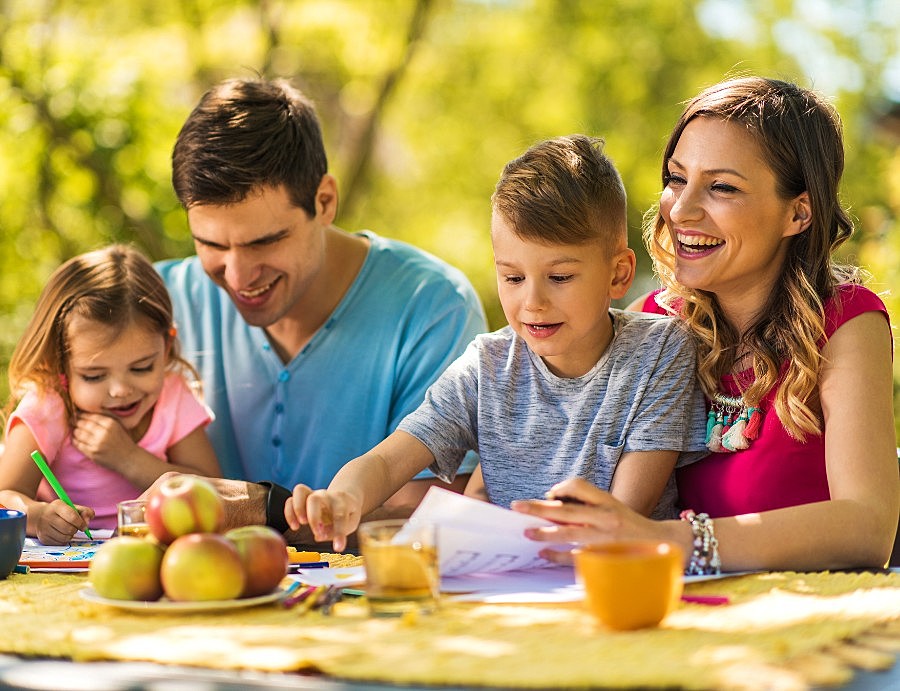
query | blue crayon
[310, 565]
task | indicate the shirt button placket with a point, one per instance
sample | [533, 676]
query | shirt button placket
[278, 423]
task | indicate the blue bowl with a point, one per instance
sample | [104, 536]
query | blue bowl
[12, 539]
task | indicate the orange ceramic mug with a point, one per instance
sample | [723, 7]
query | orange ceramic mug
[630, 584]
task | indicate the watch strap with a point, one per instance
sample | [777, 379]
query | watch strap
[275, 498]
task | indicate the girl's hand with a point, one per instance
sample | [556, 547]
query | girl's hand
[103, 440]
[57, 522]
[584, 514]
[331, 515]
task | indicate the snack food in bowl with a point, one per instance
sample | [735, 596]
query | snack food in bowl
[12, 539]
[631, 584]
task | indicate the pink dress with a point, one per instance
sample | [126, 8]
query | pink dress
[775, 471]
[176, 414]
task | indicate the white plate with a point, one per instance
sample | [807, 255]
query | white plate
[164, 605]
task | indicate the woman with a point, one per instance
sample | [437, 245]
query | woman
[794, 353]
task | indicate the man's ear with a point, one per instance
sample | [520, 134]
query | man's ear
[623, 265]
[801, 215]
[327, 199]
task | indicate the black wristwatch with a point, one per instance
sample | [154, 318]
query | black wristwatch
[275, 499]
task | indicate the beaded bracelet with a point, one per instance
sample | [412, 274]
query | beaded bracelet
[705, 555]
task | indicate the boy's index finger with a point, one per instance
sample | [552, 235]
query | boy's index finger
[319, 516]
[339, 543]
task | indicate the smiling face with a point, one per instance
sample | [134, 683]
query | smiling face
[729, 226]
[264, 252]
[115, 372]
[557, 297]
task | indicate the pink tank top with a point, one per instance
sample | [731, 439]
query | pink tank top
[775, 471]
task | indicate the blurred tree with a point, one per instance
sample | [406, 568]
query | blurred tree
[422, 103]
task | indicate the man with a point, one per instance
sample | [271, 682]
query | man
[312, 343]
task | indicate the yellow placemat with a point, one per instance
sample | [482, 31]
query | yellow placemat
[781, 630]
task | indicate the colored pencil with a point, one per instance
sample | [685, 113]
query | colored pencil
[54, 483]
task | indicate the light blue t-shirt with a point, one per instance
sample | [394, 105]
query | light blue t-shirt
[406, 316]
[533, 429]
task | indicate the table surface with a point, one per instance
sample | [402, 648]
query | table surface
[22, 673]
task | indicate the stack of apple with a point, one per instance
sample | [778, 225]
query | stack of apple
[186, 557]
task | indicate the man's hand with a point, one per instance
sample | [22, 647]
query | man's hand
[245, 504]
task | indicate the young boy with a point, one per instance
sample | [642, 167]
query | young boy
[571, 388]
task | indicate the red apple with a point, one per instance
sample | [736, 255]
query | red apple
[202, 566]
[264, 555]
[127, 568]
[184, 504]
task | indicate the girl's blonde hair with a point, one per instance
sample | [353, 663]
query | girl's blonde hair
[800, 137]
[115, 286]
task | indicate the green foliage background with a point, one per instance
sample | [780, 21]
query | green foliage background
[422, 102]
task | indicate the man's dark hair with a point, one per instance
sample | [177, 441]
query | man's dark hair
[247, 134]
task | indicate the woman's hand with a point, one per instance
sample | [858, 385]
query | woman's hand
[584, 514]
[330, 514]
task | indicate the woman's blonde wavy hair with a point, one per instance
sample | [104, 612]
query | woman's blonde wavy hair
[800, 137]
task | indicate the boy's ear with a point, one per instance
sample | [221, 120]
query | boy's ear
[624, 265]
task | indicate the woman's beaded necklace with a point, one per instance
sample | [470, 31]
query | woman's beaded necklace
[731, 425]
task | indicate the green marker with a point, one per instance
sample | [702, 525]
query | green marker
[54, 483]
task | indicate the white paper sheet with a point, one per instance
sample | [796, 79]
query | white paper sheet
[555, 584]
[347, 576]
[477, 537]
[559, 584]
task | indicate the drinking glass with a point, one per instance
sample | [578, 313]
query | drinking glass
[401, 561]
[131, 518]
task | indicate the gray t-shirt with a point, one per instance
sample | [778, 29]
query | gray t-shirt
[533, 429]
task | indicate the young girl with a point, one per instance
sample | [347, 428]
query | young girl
[97, 386]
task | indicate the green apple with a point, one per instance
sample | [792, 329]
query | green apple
[200, 567]
[184, 504]
[127, 568]
[263, 553]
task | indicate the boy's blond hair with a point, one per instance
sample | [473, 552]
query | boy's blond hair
[564, 191]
